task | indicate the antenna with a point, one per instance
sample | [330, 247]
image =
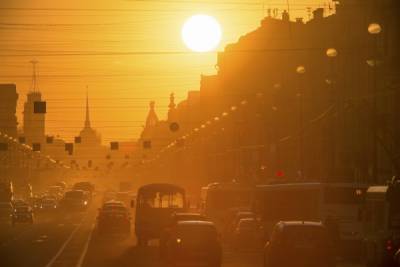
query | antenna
[34, 86]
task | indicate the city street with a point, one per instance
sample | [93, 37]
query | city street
[71, 240]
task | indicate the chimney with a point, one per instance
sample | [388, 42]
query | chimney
[285, 16]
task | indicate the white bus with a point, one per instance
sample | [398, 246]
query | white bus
[341, 202]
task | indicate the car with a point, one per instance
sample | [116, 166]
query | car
[232, 225]
[247, 233]
[299, 243]
[194, 243]
[22, 214]
[48, 204]
[175, 218]
[77, 200]
[113, 218]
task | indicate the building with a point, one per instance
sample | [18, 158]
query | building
[8, 106]
[34, 128]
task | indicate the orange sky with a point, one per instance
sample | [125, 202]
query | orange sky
[121, 79]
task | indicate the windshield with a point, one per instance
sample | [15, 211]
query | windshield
[161, 200]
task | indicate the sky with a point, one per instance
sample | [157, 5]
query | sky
[126, 52]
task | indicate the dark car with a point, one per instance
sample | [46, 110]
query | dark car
[48, 204]
[22, 214]
[113, 218]
[300, 244]
[76, 200]
[175, 218]
[194, 243]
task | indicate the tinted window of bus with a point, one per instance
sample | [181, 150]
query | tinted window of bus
[162, 200]
[343, 195]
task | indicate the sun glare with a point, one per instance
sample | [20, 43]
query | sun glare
[201, 33]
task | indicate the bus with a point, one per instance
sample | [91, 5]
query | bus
[382, 224]
[155, 204]
[338, 202]
[218, 200]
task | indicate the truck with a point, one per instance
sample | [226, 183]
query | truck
[382, 224]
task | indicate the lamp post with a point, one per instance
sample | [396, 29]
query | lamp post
[332, 53]
[374, 29]
[301, 70]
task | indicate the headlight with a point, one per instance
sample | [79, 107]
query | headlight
[178, 240]
[55, 206]
[85, 202]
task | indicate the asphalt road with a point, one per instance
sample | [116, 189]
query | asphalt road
[70, 240]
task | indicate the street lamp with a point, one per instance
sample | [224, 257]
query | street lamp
[332, 53]
[374, 29]
[301, 70]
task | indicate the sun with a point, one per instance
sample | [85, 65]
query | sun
[201, 33]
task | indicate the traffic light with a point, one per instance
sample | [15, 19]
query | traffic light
[114, 145]
[39, 107]
[49, 139]
[78, 140]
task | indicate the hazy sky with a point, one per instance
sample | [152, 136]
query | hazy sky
[118, 51]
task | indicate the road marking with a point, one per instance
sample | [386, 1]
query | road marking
[85, 248]
[53, 260]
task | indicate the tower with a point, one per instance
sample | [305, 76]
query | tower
[88, 134]
[34, 123]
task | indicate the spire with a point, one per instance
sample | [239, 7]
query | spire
[152, 118]
[172, 104]
[87, 120]
[34, 86]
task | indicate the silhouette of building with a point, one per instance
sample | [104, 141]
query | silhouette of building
[34, 123]
[315, 116]
[8, 106]
[88, 135]
[34, 120]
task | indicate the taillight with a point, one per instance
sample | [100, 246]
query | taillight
[389, 245]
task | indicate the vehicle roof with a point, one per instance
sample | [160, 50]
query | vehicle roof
[310, 184]
[299, 223]
[228, 186]
[157, 186]
[198, 223]
[187, 214]
[113, 203]
[247, 220]
[378, 189]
